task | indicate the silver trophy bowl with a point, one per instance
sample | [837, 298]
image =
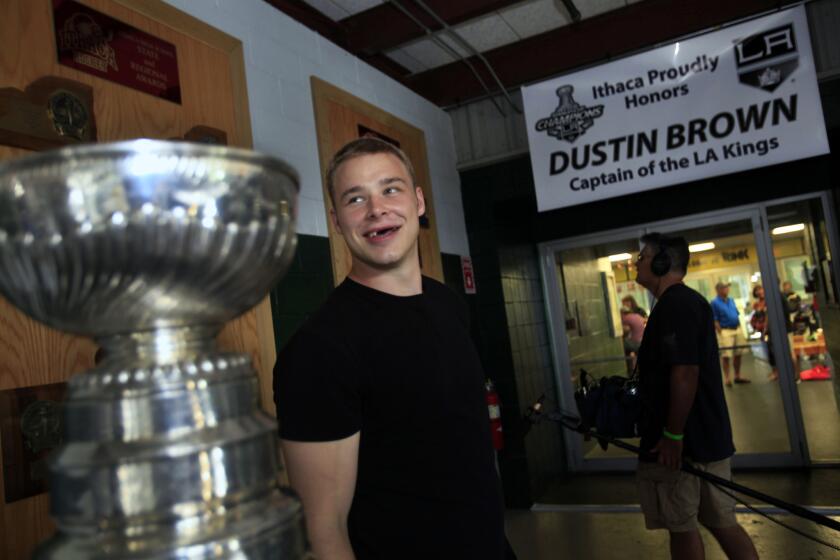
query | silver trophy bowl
[150, 247]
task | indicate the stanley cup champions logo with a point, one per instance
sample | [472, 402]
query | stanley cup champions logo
[570, 119]
[88, 42]
[766, 59]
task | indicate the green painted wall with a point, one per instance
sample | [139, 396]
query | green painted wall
[304, 288]
[309, 281]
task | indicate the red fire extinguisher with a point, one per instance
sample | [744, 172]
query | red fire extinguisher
[495, 415]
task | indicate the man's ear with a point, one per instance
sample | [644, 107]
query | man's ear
[421, 202]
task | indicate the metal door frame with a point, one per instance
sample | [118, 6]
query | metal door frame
[756, 213]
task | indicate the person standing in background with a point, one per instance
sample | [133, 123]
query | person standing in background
[633, 326]
[630, 303]
[760, 324]
[729, 334]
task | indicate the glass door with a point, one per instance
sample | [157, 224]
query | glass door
[603, 314]
[805, 288]
[598, 313]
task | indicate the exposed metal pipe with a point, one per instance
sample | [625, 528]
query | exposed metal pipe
[442, 44]
[457, 36]
[574, 13]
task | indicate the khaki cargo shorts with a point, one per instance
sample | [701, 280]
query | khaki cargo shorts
[727, 338]
[676, 500]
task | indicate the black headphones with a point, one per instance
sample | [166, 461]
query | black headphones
[660, 264]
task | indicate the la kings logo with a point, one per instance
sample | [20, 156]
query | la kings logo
[766, 59]
[570, 119]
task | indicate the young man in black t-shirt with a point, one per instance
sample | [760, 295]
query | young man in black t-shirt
[684, 411]
[380, 395]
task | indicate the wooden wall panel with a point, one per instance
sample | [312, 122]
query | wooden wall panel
[337, 116]
[32, 354]
[214, 93]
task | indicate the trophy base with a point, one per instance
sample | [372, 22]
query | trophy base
[167, 456]
[269, 528]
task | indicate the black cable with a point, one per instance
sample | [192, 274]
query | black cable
[442, 44]
[475, 52]
[776, 521]
[535, 412]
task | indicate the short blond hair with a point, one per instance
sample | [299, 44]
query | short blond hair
[364, 147]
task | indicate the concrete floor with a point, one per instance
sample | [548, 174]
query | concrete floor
[604, 536]
[596, 515]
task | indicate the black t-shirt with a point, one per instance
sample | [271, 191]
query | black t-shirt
[681, 331]
[404, 372]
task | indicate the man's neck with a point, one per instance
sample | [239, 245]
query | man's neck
[666, 282]
[406, 280]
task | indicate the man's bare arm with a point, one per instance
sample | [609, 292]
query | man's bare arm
[683, 390]
[324, 476]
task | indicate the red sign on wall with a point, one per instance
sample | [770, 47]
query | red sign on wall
[469, 277]
[100, 45]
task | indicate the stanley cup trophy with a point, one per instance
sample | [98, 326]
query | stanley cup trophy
[151, 247]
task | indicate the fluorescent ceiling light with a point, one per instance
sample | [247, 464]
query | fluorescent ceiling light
[620, 257]
[697, 247]
[788, 229]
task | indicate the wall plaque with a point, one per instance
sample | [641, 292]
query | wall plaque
[100, 45]
[206, 135]
[51, 112]
[30, 427]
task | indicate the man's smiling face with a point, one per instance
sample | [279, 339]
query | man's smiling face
[377, 209]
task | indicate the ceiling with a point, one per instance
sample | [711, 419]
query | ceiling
[495, 28]
[453, 51]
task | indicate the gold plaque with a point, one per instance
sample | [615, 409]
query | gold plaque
[68, 114]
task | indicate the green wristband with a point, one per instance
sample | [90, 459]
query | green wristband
[669, 435]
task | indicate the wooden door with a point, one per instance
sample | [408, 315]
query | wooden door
[213, 93]
[340, 118]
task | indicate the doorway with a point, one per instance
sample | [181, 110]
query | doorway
[787, 395]
[806, 290]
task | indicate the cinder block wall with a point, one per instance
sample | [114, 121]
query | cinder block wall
[280, 56]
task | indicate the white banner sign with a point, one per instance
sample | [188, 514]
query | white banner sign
[735, 99]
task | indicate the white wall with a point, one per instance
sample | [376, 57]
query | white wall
[280, 56]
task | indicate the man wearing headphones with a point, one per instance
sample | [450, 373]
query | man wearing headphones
[684, 411]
